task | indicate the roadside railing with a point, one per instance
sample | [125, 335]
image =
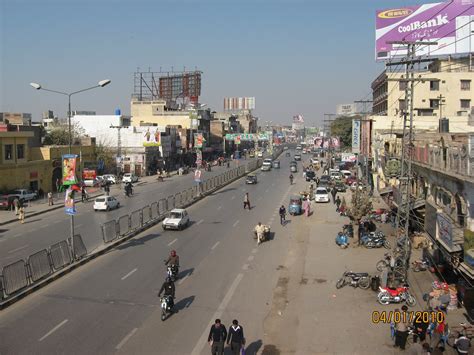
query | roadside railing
[39, 266]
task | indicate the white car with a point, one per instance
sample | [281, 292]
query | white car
[91, 182]
[314, 161]
[177, 219]
[105, 203]
[260, 155]
[129, 177]
[110, 178]
[321, 195]
[354, 186]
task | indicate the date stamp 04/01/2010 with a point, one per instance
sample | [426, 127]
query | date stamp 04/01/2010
[407, 317]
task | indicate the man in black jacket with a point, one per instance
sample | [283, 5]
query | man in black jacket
[217, 337]
[169, 290]
[236, 337]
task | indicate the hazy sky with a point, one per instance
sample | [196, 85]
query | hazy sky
[294, 56]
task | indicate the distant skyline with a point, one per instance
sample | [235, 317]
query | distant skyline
[294, 57]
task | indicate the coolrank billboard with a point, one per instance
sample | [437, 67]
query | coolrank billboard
[448, 23]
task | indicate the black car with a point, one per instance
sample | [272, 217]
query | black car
[251, 179]
[310, 175]
[340, 187]
[288, 154]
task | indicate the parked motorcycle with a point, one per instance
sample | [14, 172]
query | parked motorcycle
[398, 295]
[165, 306]
[354, 279]
[385, 262]
[371, 240]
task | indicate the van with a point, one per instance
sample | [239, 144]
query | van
[267, 165]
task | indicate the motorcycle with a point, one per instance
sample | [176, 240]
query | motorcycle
[373, 240]
[386, 261]
[165, 306]
[266, 234]
[398, 295]
[342, 240]
[354, 279]
[172, 272]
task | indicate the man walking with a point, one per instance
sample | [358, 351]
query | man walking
[401, 330]
[21, 211]
[235, 337]
[50, 199]
[246, 201]
[333, 193]
[338, 203]
[282, 212]
[16, 204]
[217, 337]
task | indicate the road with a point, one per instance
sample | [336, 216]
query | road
[110, 304]
[18, 241]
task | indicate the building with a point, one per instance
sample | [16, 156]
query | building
[156, 113]
[14, 118]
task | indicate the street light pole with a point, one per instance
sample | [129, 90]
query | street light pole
[37, 86]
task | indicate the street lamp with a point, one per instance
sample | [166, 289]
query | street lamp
[100, 84]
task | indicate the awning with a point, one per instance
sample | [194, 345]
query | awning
[385, 190]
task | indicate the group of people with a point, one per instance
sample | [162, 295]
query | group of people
[218, 336]
[19, 205]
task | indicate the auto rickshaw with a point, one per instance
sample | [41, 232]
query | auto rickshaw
[295, 206]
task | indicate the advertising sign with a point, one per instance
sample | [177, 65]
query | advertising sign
[89, 174]
[445, 230]
[345, 109]
[198, 158]
[237, 139]
[197, 175]
[198, 140]
[448, 23]
[69, 206]
[152, 137]
[356, 136]
[348, 157]
[69, 169]
[239, 103]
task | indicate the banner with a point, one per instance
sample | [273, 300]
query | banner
[198, 140]
[237, 139]
[89, 174]
[152, 138]
[197, 175]
[69, 169]
[356, 136]
[69, 205]
[198, 158]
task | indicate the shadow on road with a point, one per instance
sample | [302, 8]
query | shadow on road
[183, 303]
[137, 241]
[187, 272]
[253, 347]
[32, 220]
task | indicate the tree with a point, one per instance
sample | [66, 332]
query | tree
[105, 154]
[342, 127]
[361, 205]
[59, 134]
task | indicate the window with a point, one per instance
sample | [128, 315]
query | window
[402, 85]
[8, 151]
[434, 85]
[434, 103]
[465, 85]
[20, 151]
[465, 104]
[401, 105]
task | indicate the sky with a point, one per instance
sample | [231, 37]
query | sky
[293, 56]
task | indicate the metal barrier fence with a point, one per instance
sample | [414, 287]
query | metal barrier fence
[170, 203]
[162, 206]
[79, 248]
[15, 277]
[146, 215]
[40, 265]
[110, 231]
[136, 220]
[154, 211]
[60, 255]
[123, 225]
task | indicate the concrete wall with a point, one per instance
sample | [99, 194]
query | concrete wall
[20, 175]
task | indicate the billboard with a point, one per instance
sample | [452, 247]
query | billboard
[152, 137]
[448, 23]
[187, 84]
[239, 103]
[345, 109]
[69, 169]
[356, 136]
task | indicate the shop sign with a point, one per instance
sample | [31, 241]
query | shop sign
[445, 233]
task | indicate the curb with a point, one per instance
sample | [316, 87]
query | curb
[30, 289]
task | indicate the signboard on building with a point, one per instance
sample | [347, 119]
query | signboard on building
[69, 169]
[348, 157]
[151, 137]
[345, 109]
[444, 230]
[356, 136]
[239, 103]
[447, 23]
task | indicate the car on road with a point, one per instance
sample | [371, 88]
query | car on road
[298, 157]
[340, 186]
[260, 155]
[276, 164]
[325, 178]
[345, 174]
[288, 154]
[354, 186]
[285, 147]
[23, 194]
[252, 154]
[91, 182]
[129, 177]
[251, 179]
[5, 202]
[314, 161]
[350, 180]
[110, 178]
[298, 147]
[335, 175]
[310, 175]
[321, 194]
[106, 203]
[266, 165]
[177, 219]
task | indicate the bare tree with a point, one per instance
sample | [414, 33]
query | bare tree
[59, 134]
[361, 205]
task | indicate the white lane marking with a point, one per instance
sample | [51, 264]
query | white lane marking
[124, 340]
[131, 272]
[53, 330]
[215, 245]
[18, 249]
[233, 197]
[250, 258]
[198, 223]
[203, 339]
[218, 208]
[182, 280]
[236, 222]
[173, 241]
[254, 250]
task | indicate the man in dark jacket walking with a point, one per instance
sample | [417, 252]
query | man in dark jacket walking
[235, 337]
[282, 213]
[217, 337]
[333, 193]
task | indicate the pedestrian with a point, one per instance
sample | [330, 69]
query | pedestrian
[462, 344]
[50, 199]
[83, 194]
[338, 203]
[307, 208]
[437, 334]
[333, 193]
[246, 201]
[21, 211]
[236, 337]
[16, 204]
[282, 213]
[217, 337]
[419, 326]
[426, 349]
[57, 185]
[228, 164]
[401, 329]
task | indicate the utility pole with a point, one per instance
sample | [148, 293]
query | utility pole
[327, 128]
[406, 176]
[440, 104]
[119, 148]
[365, 118]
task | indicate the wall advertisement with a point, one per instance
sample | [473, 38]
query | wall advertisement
[151, 137]
[356, 136]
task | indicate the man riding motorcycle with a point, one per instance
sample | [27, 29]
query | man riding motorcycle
[169, 291]
[173, 261]
[260, 230]
[128, 189]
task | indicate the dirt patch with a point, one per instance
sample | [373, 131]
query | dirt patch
[319, 281]
[270, 350]
[280, 267]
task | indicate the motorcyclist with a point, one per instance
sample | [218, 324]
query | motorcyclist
[260, 230]
[128, 188]
[169, 292]
[291, 179]
[173, 261]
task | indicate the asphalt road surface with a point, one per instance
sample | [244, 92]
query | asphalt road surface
[18, 241]
[110, 305]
